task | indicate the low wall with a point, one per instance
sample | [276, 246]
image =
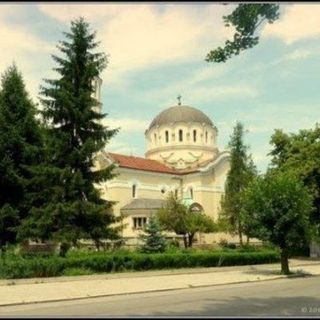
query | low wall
[314, 249]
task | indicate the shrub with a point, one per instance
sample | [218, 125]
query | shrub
[247, 248]
[77, 271]
[224, 244]
[96, 262]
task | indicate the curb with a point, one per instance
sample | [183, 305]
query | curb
[156, 290]
[134, 274]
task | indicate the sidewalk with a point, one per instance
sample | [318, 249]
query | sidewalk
[23, 291]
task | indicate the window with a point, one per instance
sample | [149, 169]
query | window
[139, 222]
[194, 135]
[134, 191]
[167, 136]
[163, 190]
[176, 193]
[206, 136]
[180, 135]
[155, 138]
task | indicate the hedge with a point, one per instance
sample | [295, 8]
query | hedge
[29, 267]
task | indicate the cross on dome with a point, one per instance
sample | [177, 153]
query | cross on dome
[179, 99]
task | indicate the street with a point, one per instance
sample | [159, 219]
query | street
[281, 297]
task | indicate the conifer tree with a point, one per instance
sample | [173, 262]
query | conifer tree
[20, 144]
[242, 171]
[153, 240]
[74, 208]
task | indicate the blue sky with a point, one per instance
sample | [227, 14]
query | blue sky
[157, 52]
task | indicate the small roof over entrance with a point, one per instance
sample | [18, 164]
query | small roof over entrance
[144, 204]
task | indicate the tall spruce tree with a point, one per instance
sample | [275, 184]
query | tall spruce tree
[242, 172]
[74, 208]
[20, 144]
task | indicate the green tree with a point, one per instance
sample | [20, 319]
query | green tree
[74, 208]
[242, 171]
[276, 209]
[246, 19]
[300, 153]
[153, 239]
[177, 217]
[20, 144]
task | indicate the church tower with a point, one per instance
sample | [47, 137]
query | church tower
[97, 83]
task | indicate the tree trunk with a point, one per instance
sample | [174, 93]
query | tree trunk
[190, 239]
[284, 261]
[64, 247]
[185, 241]
[248, 239]
[240, 233]
[97, 244]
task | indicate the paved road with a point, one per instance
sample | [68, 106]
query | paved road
[283, 297]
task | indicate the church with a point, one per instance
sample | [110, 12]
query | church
[181, 157]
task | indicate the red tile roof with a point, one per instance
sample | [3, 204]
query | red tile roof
[139, 163]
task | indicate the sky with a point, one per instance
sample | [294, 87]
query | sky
[157, 51]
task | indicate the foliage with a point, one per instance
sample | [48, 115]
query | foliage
[153, 239]
[300, 153]
[175, 216]
[277, 208]
[18, 267]
[77, 272]
[246, 18]
[242, 171]
[224, 244]
[73, 208]
[20, 147]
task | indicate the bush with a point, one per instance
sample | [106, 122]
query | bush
[77, 271]
[224, 244]
[247, 248]
[97, 262]
[174, 243]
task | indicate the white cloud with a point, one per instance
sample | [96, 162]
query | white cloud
[297, 22]
[117, 146]
[195, 89]
[207, 94]
[269, 117]
[25, 49]
[90, 11]
[126, 124]
[298, 54]
[138, 36]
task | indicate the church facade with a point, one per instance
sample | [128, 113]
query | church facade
[181, 157]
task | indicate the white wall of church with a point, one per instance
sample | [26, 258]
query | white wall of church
[206, 189]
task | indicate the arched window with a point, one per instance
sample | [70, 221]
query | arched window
[191, 193]
[155, 138]
[195, 135]
[134, 191]
[206, 136]
[167, 136]
[180, 135]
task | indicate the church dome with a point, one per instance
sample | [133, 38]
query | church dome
[180, 114]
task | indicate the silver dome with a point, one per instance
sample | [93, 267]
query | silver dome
[180, 114]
